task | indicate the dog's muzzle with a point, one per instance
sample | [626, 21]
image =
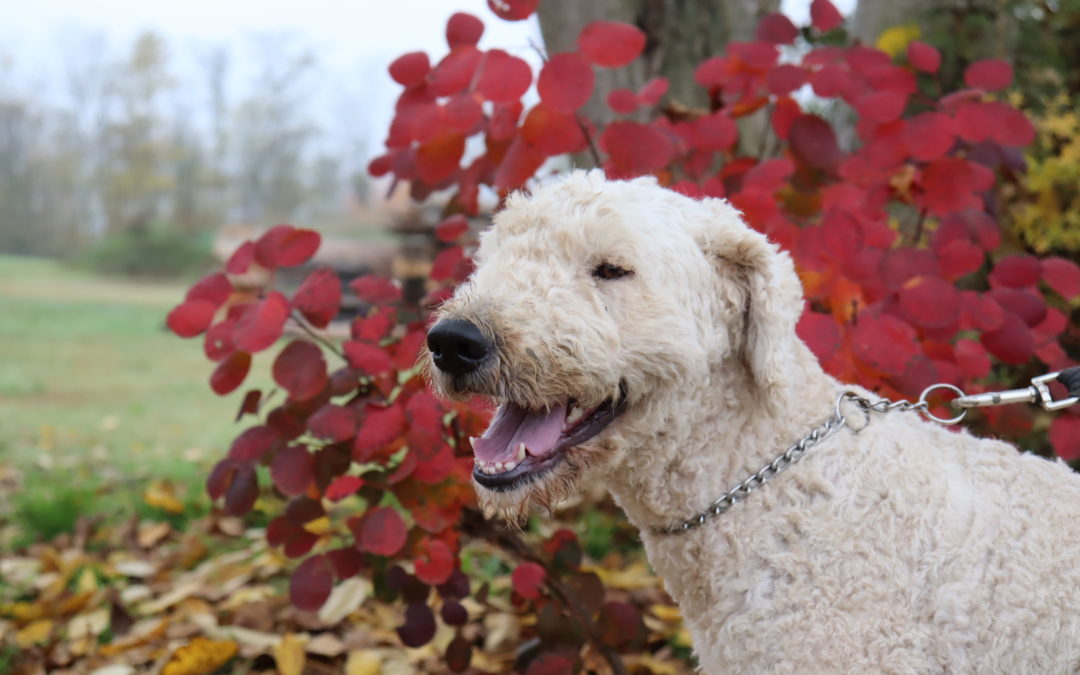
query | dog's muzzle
[458, 347]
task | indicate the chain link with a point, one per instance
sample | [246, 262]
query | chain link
[791, 456]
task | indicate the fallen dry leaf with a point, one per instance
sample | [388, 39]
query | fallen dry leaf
[363, 662]
[150, 534]
[200, 656]
[345, 599]
[325, 644]
[161, 494]
[290, 655]
[36, 633]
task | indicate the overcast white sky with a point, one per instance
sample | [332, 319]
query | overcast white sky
[353, 40]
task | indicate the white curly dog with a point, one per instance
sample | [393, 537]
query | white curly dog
[647, 340]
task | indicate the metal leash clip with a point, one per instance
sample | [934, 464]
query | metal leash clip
[1038, 392]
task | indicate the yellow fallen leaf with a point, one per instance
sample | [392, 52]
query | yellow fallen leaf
[319, 526]
[23, 612]
[36, 633]
[895, 39]
[667, 612]
[289, 655]
[152, 533]
[363, 662]
[87, 581]
[201, 656]
[161, 494]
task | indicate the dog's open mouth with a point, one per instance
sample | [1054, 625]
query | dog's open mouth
[520, 445]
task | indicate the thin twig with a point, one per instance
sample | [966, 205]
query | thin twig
[302, 322]
[589, 139]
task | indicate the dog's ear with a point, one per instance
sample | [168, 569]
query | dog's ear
[763, 277]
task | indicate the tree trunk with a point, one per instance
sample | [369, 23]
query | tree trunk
[680, 34]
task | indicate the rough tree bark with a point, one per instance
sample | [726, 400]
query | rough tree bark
[680, 35]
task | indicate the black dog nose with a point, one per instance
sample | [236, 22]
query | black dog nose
[457, 346]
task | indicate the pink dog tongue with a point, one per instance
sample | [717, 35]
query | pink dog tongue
[513, 425]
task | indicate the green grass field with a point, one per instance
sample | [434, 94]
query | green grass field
[95, 393]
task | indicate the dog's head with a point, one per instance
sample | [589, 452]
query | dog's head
[593, 304]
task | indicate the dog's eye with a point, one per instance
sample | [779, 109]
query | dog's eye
[608, 271]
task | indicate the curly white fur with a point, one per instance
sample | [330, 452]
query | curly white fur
[900, 548]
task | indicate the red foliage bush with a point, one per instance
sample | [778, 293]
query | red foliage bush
[896, 241]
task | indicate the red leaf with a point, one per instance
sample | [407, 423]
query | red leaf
[777, 29]
[333, 422]
[261, 324]
[885, 343]
[410, 69]
[286, 246]
[381, 531]
[611, 44]
[463, 30]
[620, 624]
[622, 101]
[369, 358]
[716, 132]
[528, 579]
[424, 412]
[951, 184]
[652, 91]
[712, 72]
[519, 164]
[958, 258]
[253, 443]
[504, 118]
[230, 373]
[292, 469]
[379, 427]
[375, 290]
[250, 404]
[242, 492]
[311, 583]
[374, 327]
[552, 132]
[929, 135]
[455, 72]
[463, 112]
[831, 81]
[240, 260]
[438, 159]
[214, 288]
[452, 228]
[820, 333]
[437, 563]
[930, 302]
[785, 112]
[882, 106]
[1016, 271]
[300, 369]
[1027, 305]
[923, 57]
[972, 359]
[319, 297]
[220, 478]
[634, 149]
[824, 15]
[1063, 276]
[191, 317]
[991, 75]
[503, 78]
[784, 79]
[1065, 437]
[566, 82]
[1012, 342]
[342, 487]
[814, 143]
[513, 10]
[407, 350]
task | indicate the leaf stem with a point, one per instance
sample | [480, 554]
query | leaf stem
[306, 327]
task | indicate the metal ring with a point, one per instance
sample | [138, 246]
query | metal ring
[926, 411]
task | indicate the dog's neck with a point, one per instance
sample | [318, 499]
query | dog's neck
[676, 466]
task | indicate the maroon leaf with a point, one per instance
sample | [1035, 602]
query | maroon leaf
[463, 29]
[261, 324]
[784, 79]
[824, 15]
[1017, 271]
[191, 317]
[777, 29]
[923, 57]
[929, 135]
[333, 422]
[458, 652]
[820, 333]
[311, 583]
[453, 614]
[1065, 437]
[1063, 276]
[528, 579]
[1012, 342]
[250, 404]
[503, 78]
[242, 492]
[991, 75]
[300, 369]
[292, 469]
[611, 44]
[342, 487]
[952, 184]
[379, 427]
[419, 625]
[375, 289]
[513, 10]
[381, 531]
[253, 443]
[230, 373]
[930, 301]
[566, 82]
[620, 624]
[813, 142]
[319, 297]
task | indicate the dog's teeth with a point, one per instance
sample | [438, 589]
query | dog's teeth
[521, 451]
[575, 414]
[510, 466]
[500, 467]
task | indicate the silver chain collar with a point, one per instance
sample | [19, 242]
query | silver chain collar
[797, 451]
